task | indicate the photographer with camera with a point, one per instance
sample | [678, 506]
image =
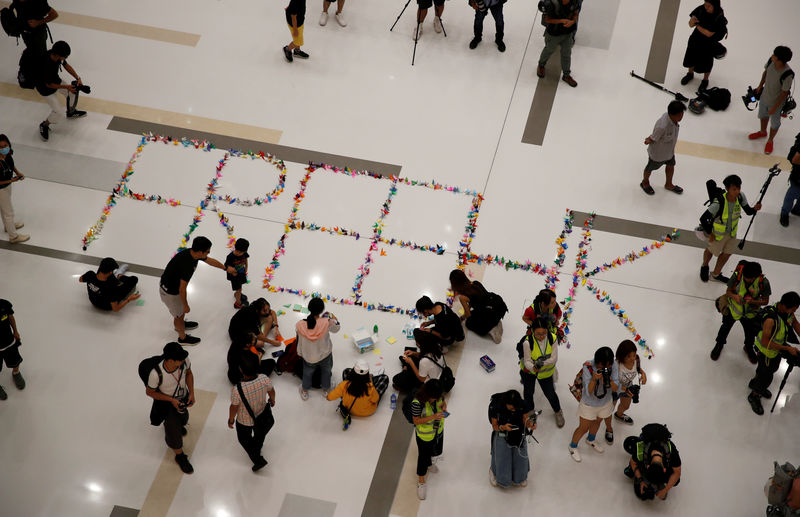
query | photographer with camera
[510, 427]
[538, 353]
[560, 18]
[170, 384]
[771, 92]
[710, 26]
[600, 378]
[655, 464]
[629, 369]
[49, 82]
[791, 202]
[777, 321]
[482, 8]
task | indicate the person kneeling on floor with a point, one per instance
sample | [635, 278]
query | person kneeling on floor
[483, 311]
[655, 464]
[510, 427]
[107, 291]
[359, 392]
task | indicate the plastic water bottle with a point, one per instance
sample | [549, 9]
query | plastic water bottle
[394, 401]
[375, 329]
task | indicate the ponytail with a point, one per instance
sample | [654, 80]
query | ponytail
[315, 308]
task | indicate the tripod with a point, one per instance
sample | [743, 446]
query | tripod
[792, 361]
[774, 171]
[416, 31]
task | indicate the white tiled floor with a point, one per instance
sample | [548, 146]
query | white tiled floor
[456, 117]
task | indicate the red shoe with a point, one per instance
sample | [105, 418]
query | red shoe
[757, 135]
[768, 148]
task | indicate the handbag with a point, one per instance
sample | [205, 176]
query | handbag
[722, 305]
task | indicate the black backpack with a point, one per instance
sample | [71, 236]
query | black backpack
[28, 75]
[11, 24]
[447, 378]
[653, 434]
[150, 364]
[718, 99]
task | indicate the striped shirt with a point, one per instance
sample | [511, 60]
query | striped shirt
[255, 392]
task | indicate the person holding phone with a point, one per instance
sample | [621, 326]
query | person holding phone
[429, 410]
[510, 464]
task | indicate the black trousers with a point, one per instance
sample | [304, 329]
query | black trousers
[252, 437]
[749, 326]
[499, 25]
[529, 387]
[36, 39]
[173, 427]
[428, 450]
[765, 370]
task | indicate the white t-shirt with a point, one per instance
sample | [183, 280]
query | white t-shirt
[428, 368]
[627, 377]
[170, 381]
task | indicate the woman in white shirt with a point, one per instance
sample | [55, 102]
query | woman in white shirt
[431, 361]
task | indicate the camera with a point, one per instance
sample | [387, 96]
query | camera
[82, 87]
[788, 106]
[750, 98]
[539, 363]
[542, 6]
[606, 373]
[634, 389]
[646, 494]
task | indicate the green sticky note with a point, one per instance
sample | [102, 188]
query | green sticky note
[288, 305]
[304, 310]
[139, 302]
[281, 313]
[298, 308]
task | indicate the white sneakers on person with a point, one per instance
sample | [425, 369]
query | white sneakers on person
[437, 24]
[524, 483]
[492, 478]
[323, 18]
[597, 447]
[415, 35]
[340, 19]
[21, 237]
[303, 393]
[325, 393]
[497, 332]
[574, 453]
[421, 491]
[433, 469]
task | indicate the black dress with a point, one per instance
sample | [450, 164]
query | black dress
[701, 49]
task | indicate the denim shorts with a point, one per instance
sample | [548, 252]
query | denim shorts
[763, 112]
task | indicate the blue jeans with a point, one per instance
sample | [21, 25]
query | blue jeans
[497, 14]
[510, 464]
[791, 199]
[325, 366]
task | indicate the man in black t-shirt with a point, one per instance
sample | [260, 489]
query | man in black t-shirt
[34, 15]
[176, 278]
[655, 464]
[49, 82]
[9, 346]
[560, 18]
[792, 197]
[108, 292]
[446, 324]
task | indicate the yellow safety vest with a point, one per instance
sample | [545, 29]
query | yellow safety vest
[536, 353]
[428, 431]
[721, 222]
[737, 309]
[778, 334]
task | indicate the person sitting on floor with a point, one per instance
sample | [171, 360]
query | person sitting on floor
[107, 291]
[446, 325]
[360, 392]
[483, 311]
[419, 367]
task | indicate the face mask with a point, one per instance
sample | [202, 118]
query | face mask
[5, 150]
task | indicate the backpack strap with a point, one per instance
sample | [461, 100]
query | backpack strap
[244, 401]
[786, 74]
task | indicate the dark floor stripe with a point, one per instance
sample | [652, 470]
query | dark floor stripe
[121, 511]
[757, 250]
[542, 104]
[389, 467]
[660, 47]
[289, 154]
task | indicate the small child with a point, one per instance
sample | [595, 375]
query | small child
[237, 259]
[629, 369]
[295, 17]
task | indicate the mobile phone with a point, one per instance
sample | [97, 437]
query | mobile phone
[277, 353]
[445, 414]
[411, 348]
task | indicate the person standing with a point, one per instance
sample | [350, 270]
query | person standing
[8, 175]
[323, 18]
[175, 280]
[748, 290]
[9, 346]
[34, 15]
[314, 346]
[171, 386]
[538, 353]
[792, 197]
[721, 222]
[710, 26]
[50, 82]
[496, 8]
[661, 147]
[774, 88]
[295, 17]
[561, 23]
[510, 423]
[252, 401]
[422, 12]
[109, 292]
[428, 410]
[237, 259]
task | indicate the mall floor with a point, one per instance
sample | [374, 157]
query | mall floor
[77, 441]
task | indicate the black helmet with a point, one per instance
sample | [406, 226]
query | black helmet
[697, 105]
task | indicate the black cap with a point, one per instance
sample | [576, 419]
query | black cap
[107, 265]
[175, 351]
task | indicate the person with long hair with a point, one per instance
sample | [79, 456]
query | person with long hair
[418, 366]
[314, 345]
[630, 369]
[544, 306]
[360, 392]
[510, 463]
[428, 409]
[538, 355]
[483, 311]
[252, 400]
[250, 345]
[710, 26]
[8, 175]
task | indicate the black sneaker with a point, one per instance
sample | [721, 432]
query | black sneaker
[628, 471]
[189, 325]
[721, 278]
[183, 463]
[703, 85]
[501, 46]
[716, 351]
[189, 340]
[76, 114]
[3, 394]
[784, 220]
[766, 394]
[474, 42]
[287, 54]
[260, 465]
[299, 53]
[704, 273]
[19, 382]
[610, 437]
[686, 78]
[44, 131]
[244, 298]
[755, 404]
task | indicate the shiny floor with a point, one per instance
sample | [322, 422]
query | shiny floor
[77, 442]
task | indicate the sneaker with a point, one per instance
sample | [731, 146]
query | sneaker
[716, 351]
[437, 24]
[189, 325]
[755, 404]
[3, 394]
[501, 46]
[703, 85]
[76, 114]
[18, 225]
[768, 148]
[757, 135]
[189, 340]
[323, 18]
[497, 332]
[704, 273]
[184, 464]
[237, 305]
[245, 299]
[416, 34]
[421, 491]
[796, 209]
[44, 131]
[262, 462]
[299, 53]
[19, 382]
[433, 469]
[686, 78]
[569, 80]
[625, 419]
[560, 419]
[523, 483]
[21, 237]
[340, 19]
[721, 278]
[610, 437]
[540, 71]
[628, 472]
[492, 478]
[472, 45]
[766, 393]
[287, 54]
[445, 349]
[596, 446]
[303, 393]
[325, 393]
[784, 220]
[573, 452]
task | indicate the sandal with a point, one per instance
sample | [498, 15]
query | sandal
[676, 189]
[648, 189]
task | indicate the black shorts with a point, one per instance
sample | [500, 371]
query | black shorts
[11, 357]
[426, 4]
[237, 283]
[653, 165]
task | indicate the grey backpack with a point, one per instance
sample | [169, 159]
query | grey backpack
[781, 483]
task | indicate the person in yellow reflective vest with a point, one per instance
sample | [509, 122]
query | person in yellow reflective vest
[429, 410]
[748, 290]
[721, 221]
[771, 343]
[538, 353]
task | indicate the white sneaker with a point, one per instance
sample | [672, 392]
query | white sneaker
[437, 24]
[323, 18]
[21, 237]
[416, 36]
[497, 332]
[492, 478]
[303, 393]
[433, 469]
[524, 483]
[325, 393]
[445, 349]
[574, 453]
[340, 19]
[597, 446]
[421, 491]
[18, 225]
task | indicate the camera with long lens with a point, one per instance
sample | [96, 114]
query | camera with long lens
[775, 511]
[606, 373]
[788, 106]
[634, 389]
[750, 99]
[646, 494]
[539, 363]
[82, 88]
